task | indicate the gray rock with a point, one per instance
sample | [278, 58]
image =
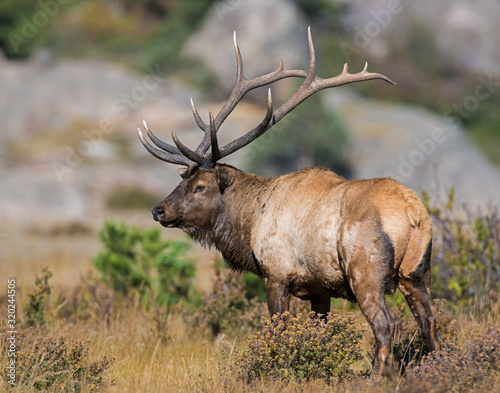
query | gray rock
[266, 31]
[416, 147]
[464, 33]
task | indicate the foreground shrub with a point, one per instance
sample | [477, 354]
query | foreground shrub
[56, 364]
[135, 259]
[290, 348]
[472, 366]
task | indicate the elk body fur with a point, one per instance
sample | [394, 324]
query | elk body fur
[311, 234]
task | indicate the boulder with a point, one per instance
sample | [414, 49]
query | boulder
[265, 31]
[422, 150]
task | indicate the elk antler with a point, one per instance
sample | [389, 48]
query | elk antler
[180, 154]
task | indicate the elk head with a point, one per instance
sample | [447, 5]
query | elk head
[196, 201]
[198, 196]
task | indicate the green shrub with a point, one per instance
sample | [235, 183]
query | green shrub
[16, 20]
[466, 264]
[139, 260]
[35, 308]
[296, 348]
[56, 364]
[254, 286]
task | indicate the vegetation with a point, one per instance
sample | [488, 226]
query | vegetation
[227, 309]
[465, 255]
[295, 348]
[15, 25]
[35, 309]
[472, 366]
[136, 260]
[54, 364]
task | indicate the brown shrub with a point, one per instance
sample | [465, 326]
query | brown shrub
[469, 367]
[299, 348]
[54, 363]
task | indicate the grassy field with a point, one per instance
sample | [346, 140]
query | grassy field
[115, 342]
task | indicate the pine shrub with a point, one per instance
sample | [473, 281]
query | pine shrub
[139, 260]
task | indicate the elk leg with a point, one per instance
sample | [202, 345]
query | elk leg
[321, 305]
[415, 284]
[417, 297]
[277, 296]
[376, 312]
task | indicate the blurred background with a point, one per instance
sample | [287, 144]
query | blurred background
[77, 76]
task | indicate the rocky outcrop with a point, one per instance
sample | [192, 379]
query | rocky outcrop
[416, 147]
[265, 31]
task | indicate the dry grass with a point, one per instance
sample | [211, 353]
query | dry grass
[172, 356]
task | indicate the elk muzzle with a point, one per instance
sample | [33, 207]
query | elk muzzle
[167, 219]
[158, 212]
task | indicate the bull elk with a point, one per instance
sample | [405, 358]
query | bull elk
[312, 233]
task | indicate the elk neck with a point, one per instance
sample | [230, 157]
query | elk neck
[232, 227]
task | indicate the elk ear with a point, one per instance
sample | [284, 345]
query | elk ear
[186, 172]
[224, 176]
[183, 172]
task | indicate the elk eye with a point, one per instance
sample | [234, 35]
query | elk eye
[199, 188]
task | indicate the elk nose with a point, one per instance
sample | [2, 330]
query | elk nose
[158, 213]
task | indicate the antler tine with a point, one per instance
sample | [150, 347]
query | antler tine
[239, 61]
[215, 155]
[158, 142]
[236, 94]
[311, 73]
[239, 89]
[203, 146]
[163, 155]
[193, 156]
[197, 117]
[253, 134]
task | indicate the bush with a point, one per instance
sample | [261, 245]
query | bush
[475, 365]
[35, 309]
[56, 364]
[466, 264]
[15, 16]
[139, 260]
[297, 348]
